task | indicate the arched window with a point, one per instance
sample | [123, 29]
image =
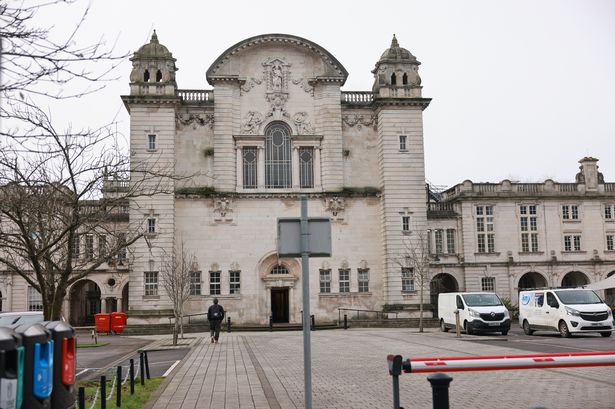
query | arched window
[393, 79]
[277, 156]
[146, 76]
[279, 270]
[404, 79]
[158, 76]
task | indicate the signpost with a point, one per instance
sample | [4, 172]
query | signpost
[305, 237]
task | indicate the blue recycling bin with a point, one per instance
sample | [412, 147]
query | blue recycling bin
[63, 337]
[38, 366]
[11, 369]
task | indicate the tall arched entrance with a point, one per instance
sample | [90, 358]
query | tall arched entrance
[609, 293]
[84, 302]
[441, 283]
[532, 280]
[575, 279]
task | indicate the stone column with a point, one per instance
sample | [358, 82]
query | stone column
[295, 169]
[239, 170]
[260, 176]
[317, 178]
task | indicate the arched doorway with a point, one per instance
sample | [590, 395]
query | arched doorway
[532, 280]
[125, 298]
[441, 283]
[574, 279]
[84, 302]
[609, 293]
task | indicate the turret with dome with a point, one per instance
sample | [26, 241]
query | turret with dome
[153, 70]
[396, 74]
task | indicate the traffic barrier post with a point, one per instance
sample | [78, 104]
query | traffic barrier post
[228, 324]
[81, 398]
[146, 364]
[345, 321]
[103, 392]
[457, 324]
[312, 323]
[439, 389]
[118, 396]
[142, 366]
[132, 377]
[395, 365]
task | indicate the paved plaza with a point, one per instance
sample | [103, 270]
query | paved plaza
[265, 370]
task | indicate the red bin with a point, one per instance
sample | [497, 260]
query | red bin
[103, 322]
[118, 322]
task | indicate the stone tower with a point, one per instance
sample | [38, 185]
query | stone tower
[399, 107]
[152, 106]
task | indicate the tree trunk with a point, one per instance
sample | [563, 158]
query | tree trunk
[421, 306]
[56, 307]
[175, 330]
[181, 323]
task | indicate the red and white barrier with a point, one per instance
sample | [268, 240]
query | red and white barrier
[504, 362]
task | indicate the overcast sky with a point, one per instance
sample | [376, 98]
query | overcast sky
[521, 89]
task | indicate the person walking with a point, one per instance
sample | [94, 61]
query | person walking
[215, 315]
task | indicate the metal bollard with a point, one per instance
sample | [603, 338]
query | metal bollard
[270, 323]
[146, 364]
[118, 396]
[439, 388]
[345, 321]
[395, 365]
[132, 377]
[142, 363]
[457, 324]
[81, 398]
[228, 324]
[103, 392]
[312, 323]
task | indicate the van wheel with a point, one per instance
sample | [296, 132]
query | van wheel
[443, 327]
[469, 329]
[563, 329]
[606, 334]
[526, 328]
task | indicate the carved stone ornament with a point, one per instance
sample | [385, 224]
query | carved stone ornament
[187, 119]
[276, 73]
[252, 123]
[304, 127]
[223, 211]
[249, 84]
[335, 205]
[235, 266]
[303, 83]
[359, 121]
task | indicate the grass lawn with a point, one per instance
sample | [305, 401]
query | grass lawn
[91, 344]
[136, 401]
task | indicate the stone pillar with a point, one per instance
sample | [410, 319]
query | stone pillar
[239, 165]
[317, 167]
[103, 304]
[295, 170]
[260, 176]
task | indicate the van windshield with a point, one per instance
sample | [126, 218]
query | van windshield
[481, 300]
[578, 297]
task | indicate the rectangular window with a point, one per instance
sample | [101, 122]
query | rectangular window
[572, 242]
[121, 243]
[402, 142]
[195, 283]
[344, 275]
[35, 300]
[234, 280]
[214, 282]
[485, 229]
[609, 211]
[439, 238]
[89, 247]
[306, 167]
[528, 224]
[450, 241]
[151, 142]
[151, 283]
[405, 224]
[610, 239]
[250, 167]
[363, 279]
[325, 281]
[151, 225]
[570, 212]
[487, 284]
[407, 279]
[76, 246]
[102, 246]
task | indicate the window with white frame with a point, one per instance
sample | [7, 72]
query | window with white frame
[89, 246]
[306, 167]
[609, 211]
[405, 224]
[234, 281]
[363, 279]
[450, 241]
[344, 275]
[76, 246]
[250, 167]
[122, 253]
[102, 246]
[487, 284]
[407, 279]
[35, 300]
[195, 283]
[485, 229]
[610, 240]
[403, 142]
[572, 242]
[528, 224]
[214, 282]
[278, 162]
[151, 142]
[570, 212]
[325, 280]
[151, 225]
[151, 283]
[439, 239]
[279, 269]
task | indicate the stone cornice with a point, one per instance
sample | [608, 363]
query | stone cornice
[149, 100]
[208, 192]
[387, 102]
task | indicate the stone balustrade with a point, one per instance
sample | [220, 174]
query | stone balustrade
[198, 96]
[506, 187]
[357, 97]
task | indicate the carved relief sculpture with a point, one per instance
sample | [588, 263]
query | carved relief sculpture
[195, 119]
[222, 209]
[252, 123]
[360, 121]
[304, 127]
[335, 205]
[276, 74]
[303, 83]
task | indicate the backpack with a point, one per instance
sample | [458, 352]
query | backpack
[217, 313]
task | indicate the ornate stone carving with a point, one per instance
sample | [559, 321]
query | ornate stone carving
[252, 124]
[335, 205]
[359, 121]
[195, 119]
[344, 264]
[304, 127]
[249, 84]
[303, 83]
[223, 211]
[276, 75]
[363, 265]
[235, 266]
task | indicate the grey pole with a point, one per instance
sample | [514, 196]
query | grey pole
[305, 274]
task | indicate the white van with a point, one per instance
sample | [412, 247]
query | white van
[478, 312]
[567, 310]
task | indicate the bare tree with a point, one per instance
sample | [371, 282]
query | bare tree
[415, 262]
[176, 274]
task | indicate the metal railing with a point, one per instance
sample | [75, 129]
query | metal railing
[357, 314]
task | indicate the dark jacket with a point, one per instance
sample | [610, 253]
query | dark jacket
[215, 313]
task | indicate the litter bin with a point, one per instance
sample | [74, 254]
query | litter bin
[118, 322]
[103, 322]
[11, 369]
[63, 336]
[38, 366]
